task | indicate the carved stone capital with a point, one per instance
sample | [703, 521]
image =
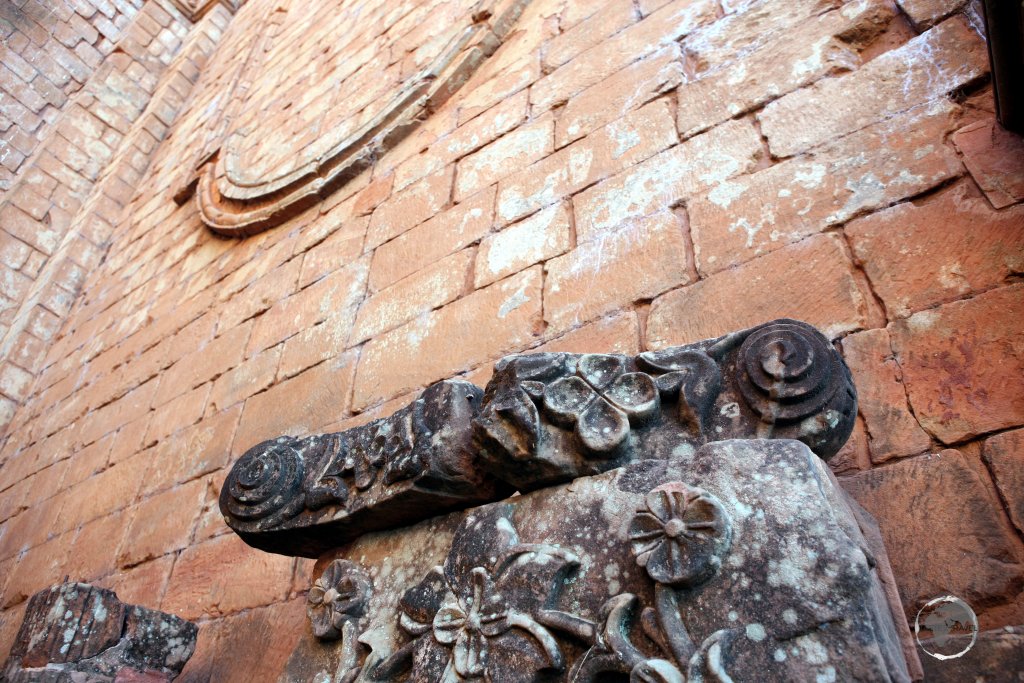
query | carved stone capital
[548, 418]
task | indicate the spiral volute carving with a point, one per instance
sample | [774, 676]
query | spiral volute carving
[265, 485]
[788, 371]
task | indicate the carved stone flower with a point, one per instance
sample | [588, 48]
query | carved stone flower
[681, 536]
[476, 616]
[600, 400]
[338, 596]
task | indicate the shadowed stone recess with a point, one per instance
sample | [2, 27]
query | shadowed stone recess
[78, 632]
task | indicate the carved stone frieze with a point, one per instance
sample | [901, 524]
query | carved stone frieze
[302, 496]
[544, 419]
[741, 560]
[75, 631]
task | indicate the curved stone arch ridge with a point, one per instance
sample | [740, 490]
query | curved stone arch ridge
[241, 191]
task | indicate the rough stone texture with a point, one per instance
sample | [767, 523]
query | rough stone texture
[949, 245]
[488, 323]
[668, 178]
[896, 80]
[813, 277]
[995, 158]
[1004, 454]
[972, 551]
[75, 631]
[755, 214]
[962, 362]
[593, 558]
[639, 261]
[787, 60]
[540, 237]
[997, 657]
[881, 397]
[244, 648]
[927, 12]
[620, 144]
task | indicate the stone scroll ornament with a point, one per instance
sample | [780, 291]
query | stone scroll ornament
[544, 419]
[270, 168]
[301, 496]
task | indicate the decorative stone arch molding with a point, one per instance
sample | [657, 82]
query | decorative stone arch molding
[243, 189]
[197, 9]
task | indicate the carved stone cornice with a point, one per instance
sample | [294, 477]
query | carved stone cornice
[544, 419]
[741, 561]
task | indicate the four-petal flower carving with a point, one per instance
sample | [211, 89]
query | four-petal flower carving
[682, 536]
[601, 400]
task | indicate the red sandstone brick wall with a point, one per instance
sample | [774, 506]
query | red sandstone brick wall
[618, 176]
[82, 170]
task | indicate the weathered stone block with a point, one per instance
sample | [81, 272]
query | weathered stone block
[75, 631]
[743, 559]
[962, 364]
[971, 551]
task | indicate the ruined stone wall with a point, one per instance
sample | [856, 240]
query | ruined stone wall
[617, 176]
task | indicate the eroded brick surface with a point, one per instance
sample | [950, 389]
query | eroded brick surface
[1004, 454]
[812, 280]
[945, 247]
[976, 557]
[881, 397]
[962, 363]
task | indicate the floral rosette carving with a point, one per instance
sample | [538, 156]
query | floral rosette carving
[340, 595]
[335, 604]
[477, 617]
[681, 536]
[600, 401]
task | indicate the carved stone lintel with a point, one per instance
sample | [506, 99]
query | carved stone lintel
[743, 560]
[76, 631]
[544, 419]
